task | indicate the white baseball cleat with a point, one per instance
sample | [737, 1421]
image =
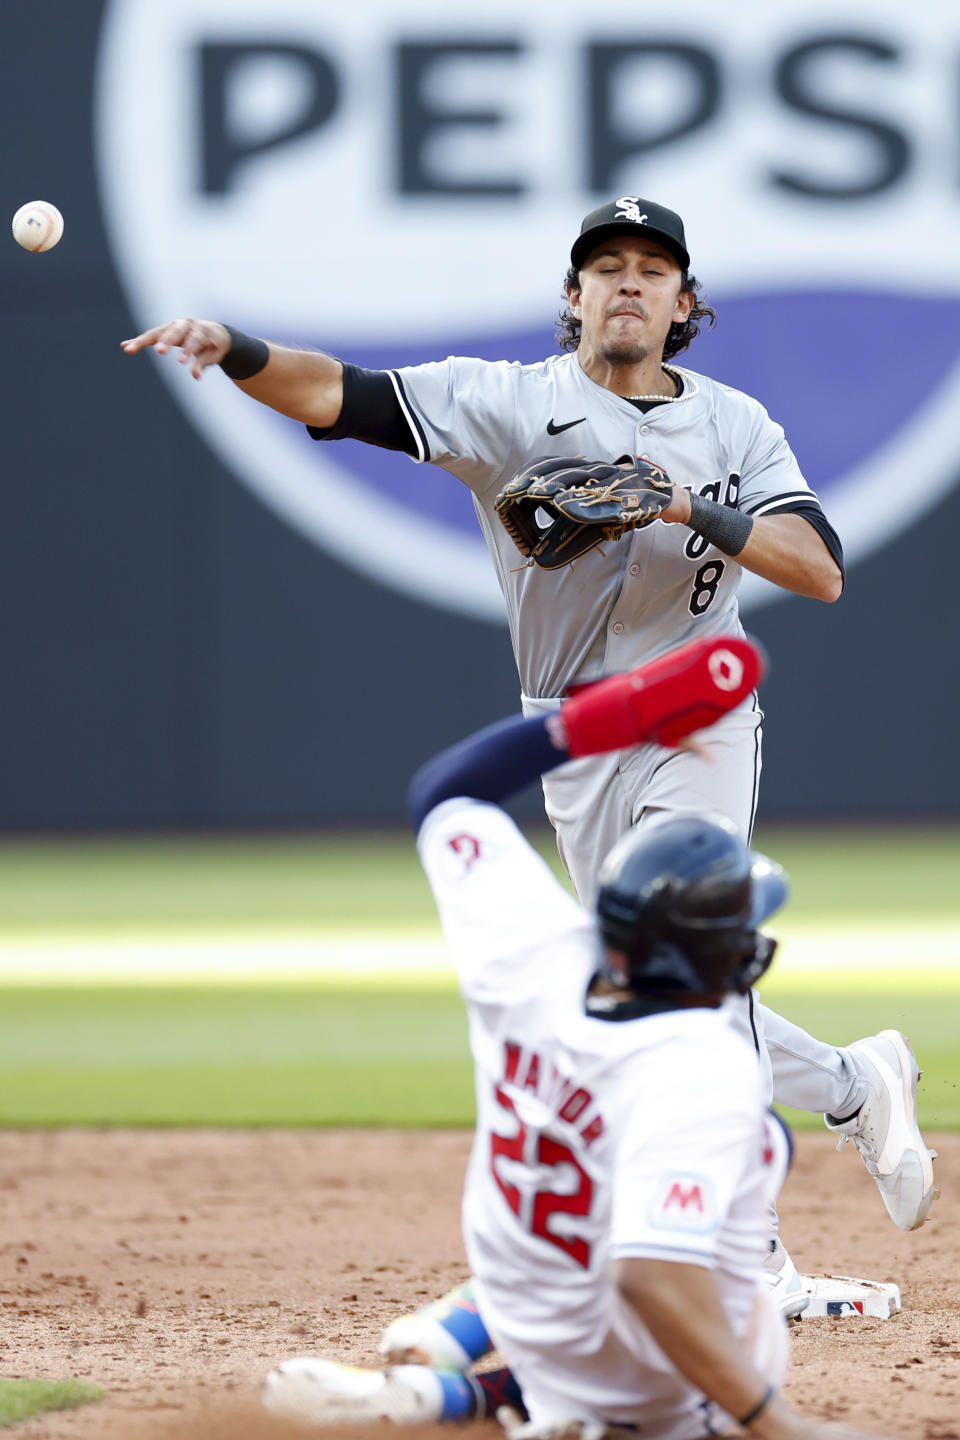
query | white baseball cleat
[885, 1129]
[785, 1282]
[321, 1392]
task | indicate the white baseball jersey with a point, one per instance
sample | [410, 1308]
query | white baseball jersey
[621, 604]
[595, 1139]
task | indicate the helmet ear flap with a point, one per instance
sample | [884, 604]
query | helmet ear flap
[745, 975]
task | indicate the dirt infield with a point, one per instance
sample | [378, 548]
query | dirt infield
[174, 1268]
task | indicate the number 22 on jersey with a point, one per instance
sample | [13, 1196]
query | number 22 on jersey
[536, 1211]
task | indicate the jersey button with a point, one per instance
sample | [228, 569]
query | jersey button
[634, 569]
[618, 628]
[644, 429]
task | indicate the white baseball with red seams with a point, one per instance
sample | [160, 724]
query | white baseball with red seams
[37, 225]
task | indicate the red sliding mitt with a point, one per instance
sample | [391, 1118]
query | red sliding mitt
[663, 701]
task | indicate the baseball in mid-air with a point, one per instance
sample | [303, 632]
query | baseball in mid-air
[38, 225]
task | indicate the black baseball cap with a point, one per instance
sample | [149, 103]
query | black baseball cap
[622, 217]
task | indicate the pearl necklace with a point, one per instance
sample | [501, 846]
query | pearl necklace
[667, 399]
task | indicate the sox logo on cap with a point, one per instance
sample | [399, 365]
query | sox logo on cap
[628, 208]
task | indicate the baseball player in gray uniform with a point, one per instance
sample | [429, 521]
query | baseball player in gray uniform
[739, 501]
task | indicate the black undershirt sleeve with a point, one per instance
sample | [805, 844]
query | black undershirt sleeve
[812, 513]
[371, 412]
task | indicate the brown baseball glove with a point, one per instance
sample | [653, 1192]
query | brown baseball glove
[555, 510]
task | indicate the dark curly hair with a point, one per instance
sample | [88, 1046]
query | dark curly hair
[678, 336]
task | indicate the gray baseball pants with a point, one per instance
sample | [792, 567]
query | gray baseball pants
[592, 802]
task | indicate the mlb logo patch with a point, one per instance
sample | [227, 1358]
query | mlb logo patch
[844, 1307]
[683, 1202]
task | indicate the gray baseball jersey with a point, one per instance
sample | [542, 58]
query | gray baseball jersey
[621, 604]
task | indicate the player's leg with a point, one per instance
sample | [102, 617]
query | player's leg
[722, 781]
[867, 1093]
[315, 1391]
[448, 1334]
[721, 778]
[799, 1070]
[867, 1090]
[589, 808]
[808, 1074]
[784, 1283]
[593, 802]
[424, 1380]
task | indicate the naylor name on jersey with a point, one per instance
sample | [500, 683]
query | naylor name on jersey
[570, 1102]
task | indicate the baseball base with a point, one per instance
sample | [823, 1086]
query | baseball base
[836, 1295]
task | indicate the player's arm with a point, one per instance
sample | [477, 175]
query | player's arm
[680, 1306]
[663, 701]
[786, 549]
[306, 385]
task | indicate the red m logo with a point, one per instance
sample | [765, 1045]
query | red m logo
[683, 1196]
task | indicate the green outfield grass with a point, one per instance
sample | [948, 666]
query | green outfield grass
[19, 1399]
[375, 879]
[234, 1055]
[319, 1055]
[366, 1053]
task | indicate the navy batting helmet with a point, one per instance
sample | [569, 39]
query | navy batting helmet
[682, 900]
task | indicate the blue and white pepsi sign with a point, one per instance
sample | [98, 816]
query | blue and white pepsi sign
[398, 186]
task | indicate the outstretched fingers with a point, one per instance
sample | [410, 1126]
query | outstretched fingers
[201, 342]
[173, 333]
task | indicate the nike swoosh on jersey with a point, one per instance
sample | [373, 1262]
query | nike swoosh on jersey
[553, 429]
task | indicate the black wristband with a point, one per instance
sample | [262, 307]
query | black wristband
[246, 357]
[727, 529]
[758, 1409]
